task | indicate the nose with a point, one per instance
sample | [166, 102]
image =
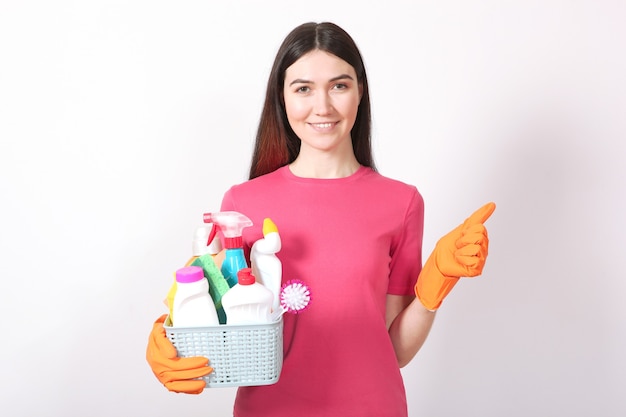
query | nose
[323, 104]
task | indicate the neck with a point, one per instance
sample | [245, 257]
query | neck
[324, 169]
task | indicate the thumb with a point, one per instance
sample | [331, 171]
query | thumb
[480, 216]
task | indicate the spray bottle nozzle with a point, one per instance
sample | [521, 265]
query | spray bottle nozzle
[231, 223]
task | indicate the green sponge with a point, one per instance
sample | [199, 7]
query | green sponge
[217, 283]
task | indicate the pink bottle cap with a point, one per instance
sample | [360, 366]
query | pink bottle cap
[189, 274]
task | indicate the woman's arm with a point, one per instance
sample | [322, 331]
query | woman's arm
[460, 253]
[409, 323]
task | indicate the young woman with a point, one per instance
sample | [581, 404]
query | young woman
[352, 235]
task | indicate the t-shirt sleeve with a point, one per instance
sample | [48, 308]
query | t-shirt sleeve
[406, 256]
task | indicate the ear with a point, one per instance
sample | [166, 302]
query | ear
[360, 91]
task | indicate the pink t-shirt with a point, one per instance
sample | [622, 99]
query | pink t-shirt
[352, 240]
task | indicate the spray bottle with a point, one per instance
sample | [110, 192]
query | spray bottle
[266, 266]
[231, 223]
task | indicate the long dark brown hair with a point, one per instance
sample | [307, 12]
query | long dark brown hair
[276, 143]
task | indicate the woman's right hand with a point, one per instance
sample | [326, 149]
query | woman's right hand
[177, 374]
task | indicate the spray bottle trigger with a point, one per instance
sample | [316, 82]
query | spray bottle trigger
[212, 234]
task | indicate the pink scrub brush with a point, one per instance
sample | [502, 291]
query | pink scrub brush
[295, 297]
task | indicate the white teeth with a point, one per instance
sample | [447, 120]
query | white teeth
[322, 125]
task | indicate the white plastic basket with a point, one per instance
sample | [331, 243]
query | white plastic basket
[239, 355]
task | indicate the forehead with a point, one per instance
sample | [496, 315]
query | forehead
[318, 66]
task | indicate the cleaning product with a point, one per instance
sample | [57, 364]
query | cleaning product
[247, 302]
[193, 306]
[200, 245]
[231, 223]
[217, 284]
[266, 266]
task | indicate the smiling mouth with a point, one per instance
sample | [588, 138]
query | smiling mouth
[322, 125]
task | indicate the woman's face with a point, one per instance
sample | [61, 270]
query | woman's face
[322, 95]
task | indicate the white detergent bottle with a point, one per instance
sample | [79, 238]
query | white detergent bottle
[193, 305]
[199, 246]
[266, 267]
[247, 302]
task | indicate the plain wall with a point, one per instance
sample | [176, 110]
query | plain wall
[121, 122]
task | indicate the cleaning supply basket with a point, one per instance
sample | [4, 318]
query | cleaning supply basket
[240, 355]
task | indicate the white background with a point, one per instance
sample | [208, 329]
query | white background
[121, 122]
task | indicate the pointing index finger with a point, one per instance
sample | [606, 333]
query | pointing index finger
[481, 215]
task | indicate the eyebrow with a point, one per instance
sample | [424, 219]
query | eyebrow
[339, 77]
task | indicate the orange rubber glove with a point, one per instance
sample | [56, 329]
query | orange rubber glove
[177, 374]
[460, 253]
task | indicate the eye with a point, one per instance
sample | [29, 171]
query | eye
[340, 86]
[303, 89]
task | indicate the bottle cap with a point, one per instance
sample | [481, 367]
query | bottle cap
[269, 226]
[245, 277]
[189, 274]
